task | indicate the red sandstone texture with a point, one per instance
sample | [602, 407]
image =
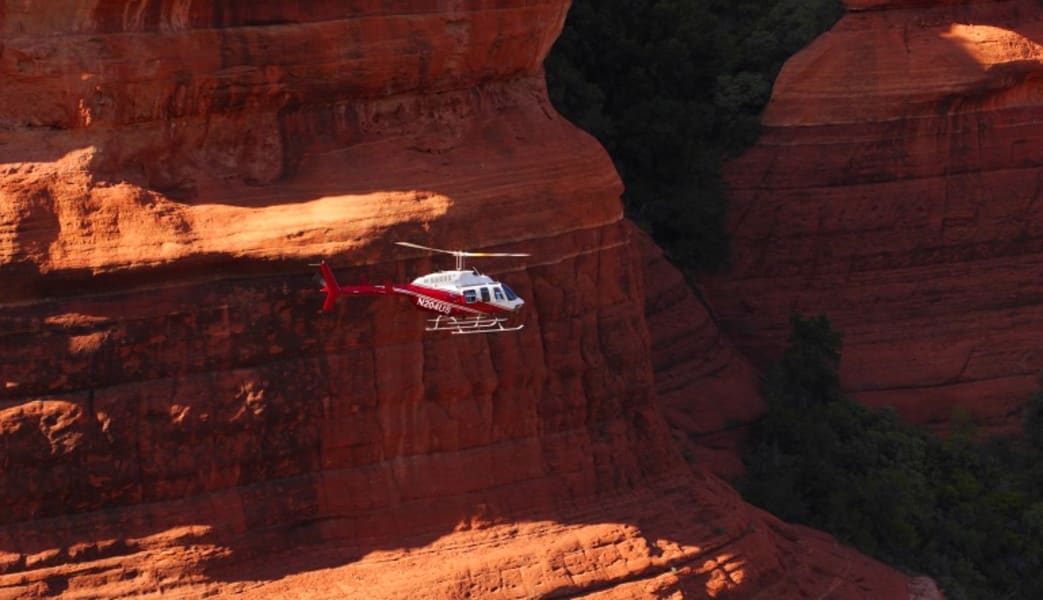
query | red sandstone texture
[177, 419]
[705, 388]
[896, 188]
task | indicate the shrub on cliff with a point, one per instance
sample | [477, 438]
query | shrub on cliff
[970, 514]
[671, 88]
[807, 372]
[1033, 423]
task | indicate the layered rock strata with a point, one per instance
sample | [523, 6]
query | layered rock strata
[177, 418]
[705, 388]
[896, 188]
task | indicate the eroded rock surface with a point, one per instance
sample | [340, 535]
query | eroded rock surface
[896, 188]
[706, 389]
[177, 418]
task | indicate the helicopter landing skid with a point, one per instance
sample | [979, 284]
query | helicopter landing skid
[458, 326]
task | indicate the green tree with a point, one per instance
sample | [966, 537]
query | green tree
[967, 512]
[1033, 423]
[807, 373]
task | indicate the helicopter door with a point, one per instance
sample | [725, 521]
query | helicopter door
[485, 294]
[470, 296]
[498, 294]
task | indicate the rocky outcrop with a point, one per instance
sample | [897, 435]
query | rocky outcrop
[176, 417]
[707, 390]
[896, 188]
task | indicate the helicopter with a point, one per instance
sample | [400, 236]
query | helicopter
[463, 300]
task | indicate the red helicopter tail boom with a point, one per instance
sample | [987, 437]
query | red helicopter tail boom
[334, 290]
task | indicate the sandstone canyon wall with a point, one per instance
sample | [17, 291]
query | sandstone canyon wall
[176, 418]
[705, 388]
[897, 189]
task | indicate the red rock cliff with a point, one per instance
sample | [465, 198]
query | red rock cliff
[896, 188]
[175, 417]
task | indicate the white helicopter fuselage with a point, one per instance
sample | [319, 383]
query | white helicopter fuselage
[466, 289]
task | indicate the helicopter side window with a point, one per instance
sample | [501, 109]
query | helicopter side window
[485, 294]
[497, 293]
[510, 293]
[470, 296]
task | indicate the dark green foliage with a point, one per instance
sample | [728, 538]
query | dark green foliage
[1034, 418]
[671, 88]
[970, 514]
[808, 369]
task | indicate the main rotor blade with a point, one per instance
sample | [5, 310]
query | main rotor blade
[460, 252]
[428, 248]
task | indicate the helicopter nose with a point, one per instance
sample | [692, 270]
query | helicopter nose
[517, 306]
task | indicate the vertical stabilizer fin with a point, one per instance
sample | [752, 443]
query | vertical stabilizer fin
[332, 288]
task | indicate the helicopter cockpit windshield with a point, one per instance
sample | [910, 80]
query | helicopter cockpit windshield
[510, 293]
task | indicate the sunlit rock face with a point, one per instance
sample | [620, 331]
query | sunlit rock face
[176, 417]
[896, 188]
